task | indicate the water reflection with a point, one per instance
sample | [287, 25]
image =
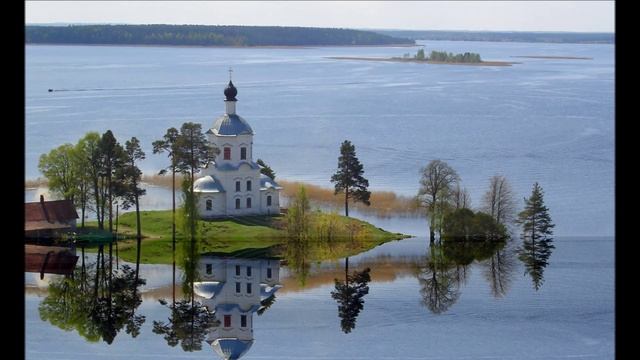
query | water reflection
[535, 257]
[446, 269]
[97, 301]
[349, 295]
[234, 289]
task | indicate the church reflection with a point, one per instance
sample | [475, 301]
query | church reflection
[234, 289]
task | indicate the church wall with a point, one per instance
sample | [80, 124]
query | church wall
[219, 204]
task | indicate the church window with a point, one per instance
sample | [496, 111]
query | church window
[237, 287]
[269, 200]
[237, 186]
[248, 185]
[209, 269]
[227, 321]
[227, 153]
[248, 288]
[268, 273]
[209, 204]
[248, 270]
[237, 270]
[237, 203]
[243, 153]
[248, 203]
[243, 320]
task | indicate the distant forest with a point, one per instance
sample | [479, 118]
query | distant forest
[204, 35]
[507, 36]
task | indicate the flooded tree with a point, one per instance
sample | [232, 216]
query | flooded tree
[350, 296]
[499, 200]
[348, 179]
[537, 242]
[436, 182]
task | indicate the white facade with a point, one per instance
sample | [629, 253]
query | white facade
[233, 288]
[233, 184]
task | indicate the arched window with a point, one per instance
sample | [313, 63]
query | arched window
[269, 200]
[237, 203]
[243, 153]
[248, 185]
[227, 153]
[209, 204]
[248, 203]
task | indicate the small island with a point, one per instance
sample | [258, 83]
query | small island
[436, 57]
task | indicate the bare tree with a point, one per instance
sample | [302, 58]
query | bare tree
[499, 200]
[437, 180]
[461, 198]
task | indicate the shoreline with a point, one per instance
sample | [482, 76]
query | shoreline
[552, 57]
[483, 63]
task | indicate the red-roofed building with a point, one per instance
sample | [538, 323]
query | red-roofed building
[46, 219]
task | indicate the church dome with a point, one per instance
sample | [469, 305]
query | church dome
[207, 184]
[231, 349]
[231, 124]
[230, 92]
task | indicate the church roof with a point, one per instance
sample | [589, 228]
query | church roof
[231, 125]
[231, 167]
[207, 184]
[231, 348]
[268, 183]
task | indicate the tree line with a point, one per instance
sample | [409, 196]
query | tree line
[504, 36]
[204, 35]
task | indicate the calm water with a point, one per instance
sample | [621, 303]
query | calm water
[549, 121]
[570, 316]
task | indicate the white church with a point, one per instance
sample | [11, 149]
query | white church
[233, 184]
[233, 288]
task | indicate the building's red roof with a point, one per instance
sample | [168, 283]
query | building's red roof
[57, 211]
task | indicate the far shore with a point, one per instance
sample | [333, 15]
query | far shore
[482, 63]
[553, 57]
[225, 46]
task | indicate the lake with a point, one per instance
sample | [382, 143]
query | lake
[493, 314]
[544, 120]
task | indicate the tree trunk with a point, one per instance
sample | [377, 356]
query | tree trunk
[173, 233]
[346, 201]
[110, 204]
[138, 237]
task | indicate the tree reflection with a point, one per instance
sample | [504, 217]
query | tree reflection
[299, 256]
[349, 295]
[439, 281]
[187, 325]
[498, 270]
[99, 310]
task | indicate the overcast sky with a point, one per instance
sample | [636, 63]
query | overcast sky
[581, 16]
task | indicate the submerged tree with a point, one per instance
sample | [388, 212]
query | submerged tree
[537, 229]
[349, 295]
[349, 179]
[435, 184]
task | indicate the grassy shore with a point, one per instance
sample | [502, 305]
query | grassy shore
[251, 235]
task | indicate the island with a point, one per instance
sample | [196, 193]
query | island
[206, 35]
[436, 57]
[247, 236]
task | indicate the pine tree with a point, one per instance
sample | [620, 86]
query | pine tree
[536, 236]
[349, 179]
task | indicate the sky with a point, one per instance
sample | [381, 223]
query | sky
[578, 16]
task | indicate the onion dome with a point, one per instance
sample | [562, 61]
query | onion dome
[230, 92]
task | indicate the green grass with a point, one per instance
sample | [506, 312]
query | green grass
[246, 236]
